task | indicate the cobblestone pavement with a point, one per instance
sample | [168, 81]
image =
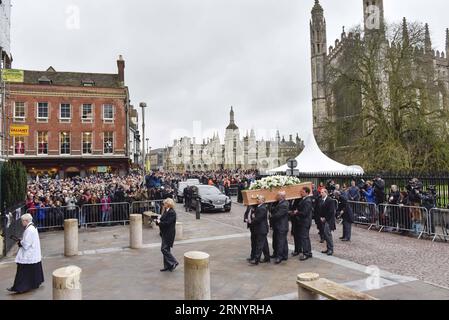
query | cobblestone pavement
[395, 253]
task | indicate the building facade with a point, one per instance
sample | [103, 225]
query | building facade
[236, 153]
[78, 122]
[341, 104]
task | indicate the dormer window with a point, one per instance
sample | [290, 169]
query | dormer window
[88, 83]
[44, 80]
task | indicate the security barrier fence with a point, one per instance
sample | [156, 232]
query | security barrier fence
[365, 213]
[419, 221]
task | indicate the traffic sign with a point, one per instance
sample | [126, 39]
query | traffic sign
[292, 163]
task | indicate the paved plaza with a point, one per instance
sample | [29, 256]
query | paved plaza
[409, 268]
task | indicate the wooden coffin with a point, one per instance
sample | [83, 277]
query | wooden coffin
[250, 196]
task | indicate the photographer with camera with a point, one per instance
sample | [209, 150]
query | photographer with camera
[414, 189]
[429, 201]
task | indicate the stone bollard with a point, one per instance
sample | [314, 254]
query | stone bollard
[179, 231]
[304, 294]
[196, 276]
[71, 237]
[135, 231]
[66, 283]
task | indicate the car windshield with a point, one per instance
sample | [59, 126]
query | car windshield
[210, 191]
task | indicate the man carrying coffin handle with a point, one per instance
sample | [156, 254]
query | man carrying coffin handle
[280, 226]
[259, 226]
[303, 214]
[326, 210]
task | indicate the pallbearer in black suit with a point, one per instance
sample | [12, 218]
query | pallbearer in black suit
[259, 225]
[303, 214]
[247, 219]
[345, 211]
[326, 209]
[279, 219]
[295, 232]
[167, 226]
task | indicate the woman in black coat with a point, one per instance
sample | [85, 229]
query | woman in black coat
[167, 226]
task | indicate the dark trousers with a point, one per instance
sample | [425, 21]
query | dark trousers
[296, 237]
[320, 227]
[253, 244]
[328, 237]
[280, 245]
[347, 227]
[169, 259]
[188, 204]
[261, 247]
[304, 238]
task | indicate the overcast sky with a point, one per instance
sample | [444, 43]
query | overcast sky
[190, 60]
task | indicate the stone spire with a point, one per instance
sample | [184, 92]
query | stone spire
[447, 41]
[232, 125]
[427, 40]
[405, 34]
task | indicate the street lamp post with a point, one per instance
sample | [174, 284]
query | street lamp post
[143, 105]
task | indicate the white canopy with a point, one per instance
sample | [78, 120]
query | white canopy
[313, 160]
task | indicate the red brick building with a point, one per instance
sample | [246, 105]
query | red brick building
[78, 122]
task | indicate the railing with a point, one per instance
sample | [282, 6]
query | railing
[104, 213]
[365, 213]
[404, 218]
[439, 224]
[47, 218]
[149, 205]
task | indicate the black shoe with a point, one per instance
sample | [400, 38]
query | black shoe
[330, 253]
[165, 269]
[174, 267]
[345, 240]
[10, 290]
[341, 238]
[295, 254]
[273, 257]
[265, 261]
[321, 241]
[304, 258]
[326, 251]
[254, 262]
[278, 261]
[249, 259]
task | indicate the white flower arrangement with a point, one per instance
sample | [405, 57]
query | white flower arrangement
[274, 182]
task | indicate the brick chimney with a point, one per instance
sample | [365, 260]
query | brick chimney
[121, 69]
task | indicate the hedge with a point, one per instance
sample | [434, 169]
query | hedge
[14, 183]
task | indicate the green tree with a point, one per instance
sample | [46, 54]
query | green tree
[399, 124]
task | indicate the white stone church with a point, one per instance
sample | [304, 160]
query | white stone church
[236, 153]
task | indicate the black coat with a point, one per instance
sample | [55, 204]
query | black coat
[280, 217]
[348, 214]
[259, 223]
[249, 211]
[305, 212]
[326, 210]
[396, 198]
[167, 226]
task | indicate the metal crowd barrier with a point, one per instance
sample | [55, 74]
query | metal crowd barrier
[365, 213]
[149, 205]
[53, 217]
[104, 213]
[438, 224]
[404, 218]
[233, 192]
